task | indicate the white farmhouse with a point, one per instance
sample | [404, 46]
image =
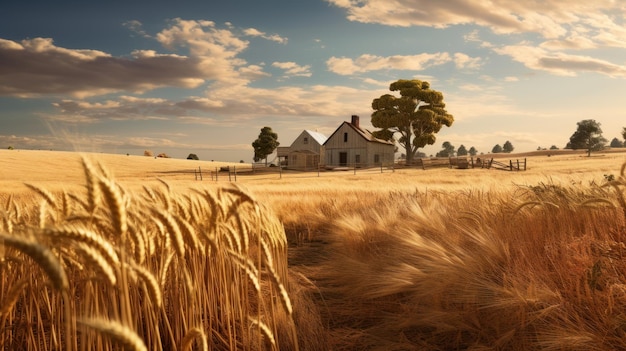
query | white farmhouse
[350, 145]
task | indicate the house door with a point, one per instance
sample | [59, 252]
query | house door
[343, 159]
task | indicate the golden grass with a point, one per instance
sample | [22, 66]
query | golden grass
[406, 260]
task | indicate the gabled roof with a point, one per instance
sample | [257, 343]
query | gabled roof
[366, 134]
[319, 137]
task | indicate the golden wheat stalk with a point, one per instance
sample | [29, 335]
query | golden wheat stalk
[195, 334]
[43, 256]
[47, 196]
[173, 231]
[151, 284]
[93, 191]
[265, 330]
[11, 296]
[86, 236]
[113, 198]
[284, 296]
[95, 257]
[123, 335]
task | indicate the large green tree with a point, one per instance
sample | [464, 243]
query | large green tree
[587, 136]
[265, 144]
[417, 115]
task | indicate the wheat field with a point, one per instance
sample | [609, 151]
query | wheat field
[111, 252]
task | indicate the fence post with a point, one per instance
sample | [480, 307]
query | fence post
[355, 168]
[280, 170]
[200, 172]
[216, 174]
[524, 163]
[318, 170]
[235, 170]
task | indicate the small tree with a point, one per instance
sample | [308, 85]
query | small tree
[417, 115]
[616, 143]
[192, 157]
[554, 147]
[473, 151]
[587, 136]
[10, 147]
[448, 150]
[462, 151]
[496, 149]
[507, 147]
[265, 144]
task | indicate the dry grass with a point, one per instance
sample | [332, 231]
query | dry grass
[410, 260]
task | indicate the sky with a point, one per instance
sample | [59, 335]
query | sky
[203, 77]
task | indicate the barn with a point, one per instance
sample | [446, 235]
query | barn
[305, 153]
[350, 145]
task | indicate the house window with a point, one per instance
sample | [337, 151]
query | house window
[345, 137]
[376, 158]
[306, 140]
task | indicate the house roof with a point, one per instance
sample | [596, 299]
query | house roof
[366, 134]
[319, 137]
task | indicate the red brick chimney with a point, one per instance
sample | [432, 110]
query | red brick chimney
[355, 121]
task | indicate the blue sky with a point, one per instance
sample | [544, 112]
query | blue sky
[204, 77]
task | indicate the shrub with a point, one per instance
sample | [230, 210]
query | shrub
[192, 157]
[148, 153]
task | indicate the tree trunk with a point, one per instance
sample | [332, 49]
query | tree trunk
[409, 152]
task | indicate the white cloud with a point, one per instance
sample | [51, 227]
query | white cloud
[464, 61]
[560, 63]
[368, 63]
[253, 32]
[551, 19]
[293, 69]
[136, 27]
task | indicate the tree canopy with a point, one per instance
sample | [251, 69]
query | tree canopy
[473, 151]
[616, 143]
[448, 150]
[462, 151]
[417, 115]
[496, 149]
[587, 136]
[265, 144]
[507, 147]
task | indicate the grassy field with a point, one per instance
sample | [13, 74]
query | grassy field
[109, 251]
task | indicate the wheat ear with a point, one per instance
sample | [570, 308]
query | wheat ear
[193, 334]
[128, 339]
[151, 283]
[95, 257]
[44, 193]
[12, 296]
[88, 237]
[265, 330]
[113, 198]
[43, 256]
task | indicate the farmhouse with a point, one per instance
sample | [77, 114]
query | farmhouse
[305, 153]
[350, 145]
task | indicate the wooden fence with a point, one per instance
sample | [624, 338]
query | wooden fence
[471, 162]
[231, 173]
